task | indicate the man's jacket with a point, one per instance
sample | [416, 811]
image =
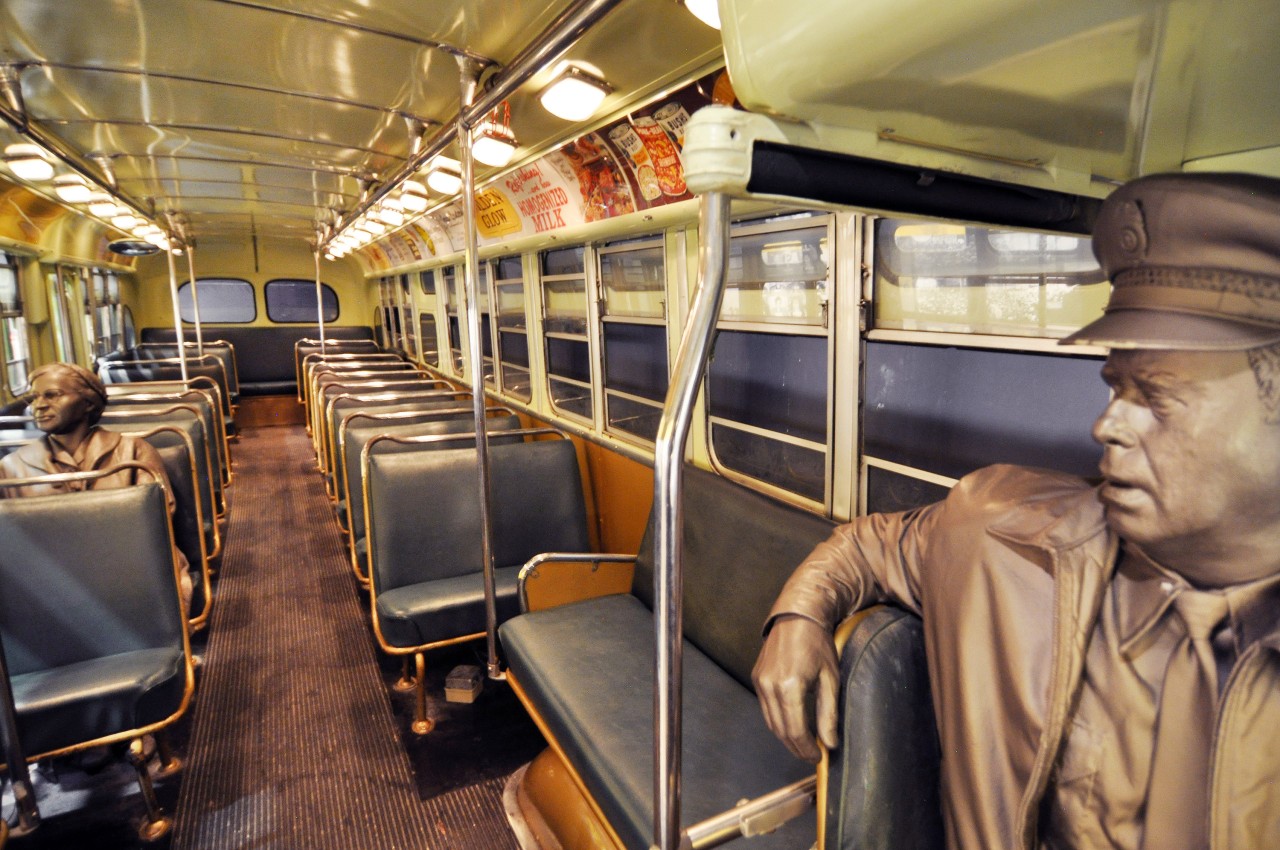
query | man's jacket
[1008, 575]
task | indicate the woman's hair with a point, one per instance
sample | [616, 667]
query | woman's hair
[88, 384]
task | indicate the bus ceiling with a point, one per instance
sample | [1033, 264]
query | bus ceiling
[245, 118]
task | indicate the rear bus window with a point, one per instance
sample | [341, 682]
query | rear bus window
[294, 301]
[222, 300]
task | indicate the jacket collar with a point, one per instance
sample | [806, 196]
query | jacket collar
[45, 453]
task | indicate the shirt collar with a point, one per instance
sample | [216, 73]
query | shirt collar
[1144, 591]
[96, 446]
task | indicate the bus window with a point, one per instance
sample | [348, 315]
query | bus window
[513, 328]
[427, 337]
[634, 335]
[102, 299]
[291, 300]
[767, 385]
[222, 300]
[404, 301]
[968, 279]
[61, 297]
[564, 327]
[453, 305]
[13, 327]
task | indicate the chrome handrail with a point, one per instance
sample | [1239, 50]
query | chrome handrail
[668, 575]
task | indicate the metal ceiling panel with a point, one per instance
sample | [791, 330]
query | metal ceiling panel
[241, 113]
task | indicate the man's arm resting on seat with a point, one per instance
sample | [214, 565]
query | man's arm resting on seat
[798, 658]
[873, 559]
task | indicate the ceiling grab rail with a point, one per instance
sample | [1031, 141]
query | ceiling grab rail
[177, 310]
[668, 467]
[195, 296]
[470, 71]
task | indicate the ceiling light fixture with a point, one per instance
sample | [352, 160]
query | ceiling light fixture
[413, 196]
[72, 189]
[125, 221]
[575, 95]
[706, 11]
[445, 179]
[28, 162]
[493, 143]
[102, 205]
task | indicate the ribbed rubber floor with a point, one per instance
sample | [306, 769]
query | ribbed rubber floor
[293, 744]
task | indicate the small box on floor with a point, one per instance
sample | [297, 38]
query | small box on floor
[464, 683]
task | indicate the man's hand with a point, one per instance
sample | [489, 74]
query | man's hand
[798, 658]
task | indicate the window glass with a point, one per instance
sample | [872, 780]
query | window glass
[778, 276]
[10, 293]
[513, 339]
[966, 279]
[767, 397]
[293, 301]
[564, 325]
[430, 342]
[61, 282]
[634, 337]
[223, 300]
[453, 305]
[13, 328]
[633, 281]
[427, 280]
[768, 382]
[635, 376]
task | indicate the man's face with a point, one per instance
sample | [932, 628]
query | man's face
[1191, 466]
[58, 404]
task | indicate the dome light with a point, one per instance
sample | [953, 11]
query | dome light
[102, 205]
[72, 188]
[575, 95]
[28, 162]
[413, 196]
[493, 145]
[388, 212]
[444, 179]
[125, 221]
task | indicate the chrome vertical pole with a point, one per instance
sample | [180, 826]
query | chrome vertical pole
[24, 794]
[177, 315]
[470, 77]
[319, 299]
[668, 577]
[195, 298]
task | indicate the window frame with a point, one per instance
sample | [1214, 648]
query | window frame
[783, 326]
[583, 339]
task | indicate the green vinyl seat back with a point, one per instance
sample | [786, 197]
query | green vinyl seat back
[90, 616]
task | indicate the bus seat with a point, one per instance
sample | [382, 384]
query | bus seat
[428, 394]
[396, 409]
[202, 397]
[265, 355]
[427, 586]
[882, 782]
[186, 419]
[585, 670]
[91, 619]
[177, 452]
[431, 423]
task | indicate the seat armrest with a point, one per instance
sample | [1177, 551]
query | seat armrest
[557, 578]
